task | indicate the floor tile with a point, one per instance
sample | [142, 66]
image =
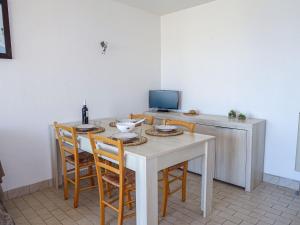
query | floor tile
[268, 204]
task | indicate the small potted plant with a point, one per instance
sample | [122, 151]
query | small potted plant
[232, 114]
[242, 117]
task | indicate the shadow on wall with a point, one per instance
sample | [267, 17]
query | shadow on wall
[24, 157]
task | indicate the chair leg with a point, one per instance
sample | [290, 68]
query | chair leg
[102, 213]
[90, 171]
[128, 195]
[77, 187]
[121, 206]
[184, 177]
[108, 189]
[165, 192]
[66, 184]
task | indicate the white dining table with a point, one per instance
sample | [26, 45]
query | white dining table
[147, 160]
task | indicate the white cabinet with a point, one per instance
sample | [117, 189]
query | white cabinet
[230, 163]
[231, 156]
[240, 147]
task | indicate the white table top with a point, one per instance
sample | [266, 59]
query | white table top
[155, 146]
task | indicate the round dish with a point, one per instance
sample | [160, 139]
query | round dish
[93, 130]
[166, 128]
[86, 126]
[154, 132]
[125, 136]
[136, 141]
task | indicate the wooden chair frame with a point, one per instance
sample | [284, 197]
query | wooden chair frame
[149, 118]
[167, 172]
[190, 126]
[68, 144]
[115, 166]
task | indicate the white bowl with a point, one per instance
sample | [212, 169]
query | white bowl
[125, 127]
[126, 120]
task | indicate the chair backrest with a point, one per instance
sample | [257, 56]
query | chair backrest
[67, 139]
[108, 150]
[149, 118]
[190, 126]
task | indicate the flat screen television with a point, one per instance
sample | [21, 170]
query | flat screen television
[163, 100]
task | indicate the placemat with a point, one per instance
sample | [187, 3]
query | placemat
[135, 141]
[112, 124]
[94, 130]
[154, 132]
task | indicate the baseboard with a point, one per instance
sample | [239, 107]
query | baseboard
[28, 189]
[281, 181]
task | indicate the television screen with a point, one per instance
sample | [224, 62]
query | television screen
[163, 99]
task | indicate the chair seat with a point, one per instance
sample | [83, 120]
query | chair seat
[113, 178]
[85, 158]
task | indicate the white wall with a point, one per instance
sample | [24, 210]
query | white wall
[237, 54]
[57, 63]
[240, 54]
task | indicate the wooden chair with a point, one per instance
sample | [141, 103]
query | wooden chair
[68, 144]
[149, 119]
[167, 172]
[113, 173]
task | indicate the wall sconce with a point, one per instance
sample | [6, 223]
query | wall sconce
[104, 45]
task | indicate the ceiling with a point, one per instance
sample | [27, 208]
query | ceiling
[162, 7]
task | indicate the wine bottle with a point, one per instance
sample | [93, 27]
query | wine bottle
[85, 113]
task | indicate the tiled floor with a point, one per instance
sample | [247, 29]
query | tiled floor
[268, 204]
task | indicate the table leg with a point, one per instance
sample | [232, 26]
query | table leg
[55, 159]
[146, 192]
[207, 179]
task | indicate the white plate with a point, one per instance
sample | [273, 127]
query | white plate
[86, 126]
[125, 136]
[165, 128]
[127, 120]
